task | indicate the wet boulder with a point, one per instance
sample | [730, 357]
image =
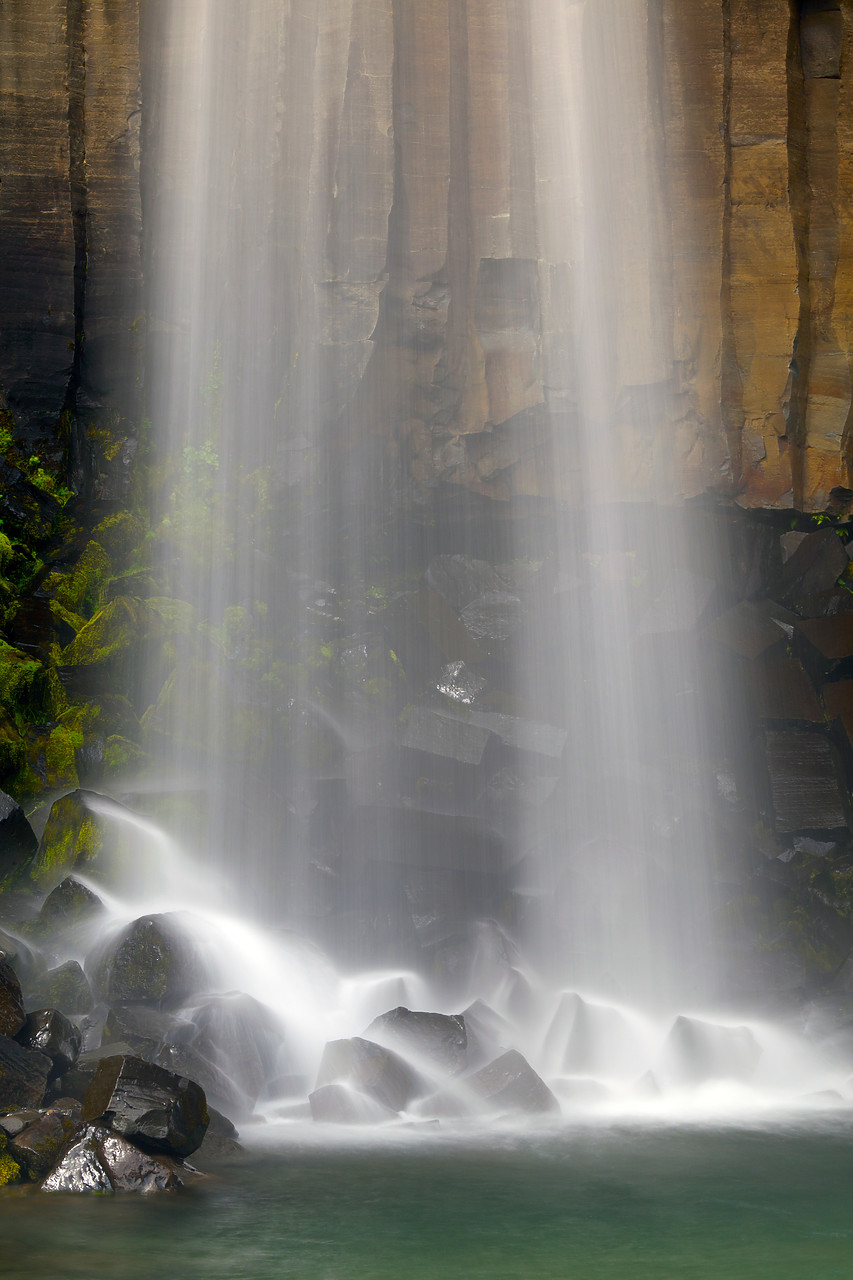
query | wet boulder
[38, 1144]
[510, 1084]
[69, 905]
[340, 1104]
[815, 565]
[460, 580]
[65, 988]
[104, 1162]
[148, 1105]
[696, 1051]
[218, 1087]
[23, 1076]
[76, 835]
[11, 1000]
[371, 1069]
[143, 1028]
[18, 842]
[49, 1032]
[152, 961]
[437, 1040]
[492, 618]
[242, 1037]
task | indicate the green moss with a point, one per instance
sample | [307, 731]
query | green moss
[81, 589]
[111, 633]
[10, 1172]
[7, 551]
[28, 691]
[121, 756]
[119, 534]
[73, 837]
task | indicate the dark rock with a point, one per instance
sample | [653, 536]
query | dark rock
[18, 843]
[695, 1051]
[142, 1027]
[340, 1104]
[370, 1069]
[240, 1036]
[806, 788]
[11, 1000]
[28, 964]
[219, 1088]
[38, 1145]
[65, 988]
[492, 618]
[524, 736]
[16, 1121]
[439, 1039]
[510, 1084]
[148, 1105]
[70, 904]
[23, 1076]
[460, 580]
[104, 1162]
[152, 960]
[815, 566]
[488, 1033]
[49, 1032]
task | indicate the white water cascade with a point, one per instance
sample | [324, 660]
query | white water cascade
[519, 833]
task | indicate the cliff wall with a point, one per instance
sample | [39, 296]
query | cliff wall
[426, 156]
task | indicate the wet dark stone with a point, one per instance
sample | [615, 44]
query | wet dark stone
[815, 566]
[806, 788]
[49, 1032]
[102, 1161]
[460, 580]
[340, 1104]
[23, 1076]
[440, 1039]
[148, 1105]
[37, 1146]
[218, 1087]
[448, 736]
[69, 904]
[510, 1084]
[370, 1069]
[28, 964]
[11, 1001]
[65, 988]
[18, 842]
[494, 617]
[460, 684]
[153, 961]
[142, 1027]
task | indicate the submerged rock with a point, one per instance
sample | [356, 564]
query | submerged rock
[11, 1000]
[438, 1038]
[23, 1076]
[370, 1069]
[18, 842]
[149, 1105]
[49, 1032]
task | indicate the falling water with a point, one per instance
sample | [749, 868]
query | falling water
[338, 842]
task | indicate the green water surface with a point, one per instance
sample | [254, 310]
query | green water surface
[586, 1203]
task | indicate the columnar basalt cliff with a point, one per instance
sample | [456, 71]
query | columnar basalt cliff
[440, 272]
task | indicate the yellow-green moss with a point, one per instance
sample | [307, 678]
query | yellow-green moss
[113, 631]
[10, 1171]
[6, 551]
[72, 838]
[119, 533]
[121, 756]
[81, 589]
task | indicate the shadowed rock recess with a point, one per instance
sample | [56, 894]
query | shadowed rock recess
[426, 604]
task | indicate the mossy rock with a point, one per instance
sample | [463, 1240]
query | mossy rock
[65, 988]
[114, 634]
[27, 689]
[74, 836]
[102, 717]
[7, 551]
[10, 1171]
[119, 533]
[81, 588]
[152, 961]
[122, 757]
[13, 751]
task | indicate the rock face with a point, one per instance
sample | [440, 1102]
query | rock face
[429, 142]
[103, 1162]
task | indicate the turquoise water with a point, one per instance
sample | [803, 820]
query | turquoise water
[582, 1204]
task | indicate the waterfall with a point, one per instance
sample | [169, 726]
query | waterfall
[428, 741]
